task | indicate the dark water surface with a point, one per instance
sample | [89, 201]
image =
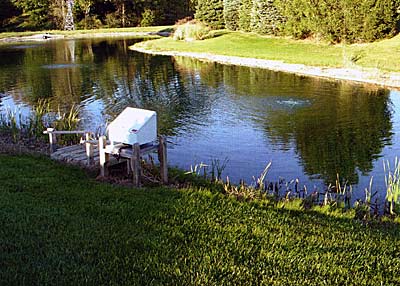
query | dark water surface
[310, 129]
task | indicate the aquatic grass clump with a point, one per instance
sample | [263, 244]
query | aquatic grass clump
[40, 118]
[9, 122]
[68, 121]
[392, 181]
[37, 122]
[335, 199]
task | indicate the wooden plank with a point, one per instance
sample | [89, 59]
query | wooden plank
[67, 149]
[162, 157]
[135, 164]
[65, 132]
[104, 157]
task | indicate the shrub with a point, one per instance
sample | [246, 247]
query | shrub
[211, 13]
[148, 18]
[112, 20]
[91, 22]
[192, 30]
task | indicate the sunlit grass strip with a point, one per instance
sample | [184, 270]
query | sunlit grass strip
[381, 55]
[87, 32]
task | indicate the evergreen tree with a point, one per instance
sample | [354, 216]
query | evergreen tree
[265, 17]
[231, 14]
[244, 15]
[211, 12]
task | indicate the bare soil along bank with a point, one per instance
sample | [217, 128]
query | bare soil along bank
[362, 75]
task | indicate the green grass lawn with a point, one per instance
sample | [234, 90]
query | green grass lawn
[384, 55]
[60, 227]
[87, 33]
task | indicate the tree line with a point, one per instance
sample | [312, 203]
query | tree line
[19, 15]
[332, 20]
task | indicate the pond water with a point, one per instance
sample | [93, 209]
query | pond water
[311, 129]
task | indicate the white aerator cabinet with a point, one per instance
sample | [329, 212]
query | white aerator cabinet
[133, 134]
[132, 126]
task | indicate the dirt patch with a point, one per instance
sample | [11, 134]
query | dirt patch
[22, 145]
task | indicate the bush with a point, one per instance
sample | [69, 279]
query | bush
[112, 20]
[90, 22]
[340, 20]
[148, 18]
[192, 30]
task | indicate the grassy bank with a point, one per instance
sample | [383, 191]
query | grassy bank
[87, 33]
[382, 55]
[64, 231]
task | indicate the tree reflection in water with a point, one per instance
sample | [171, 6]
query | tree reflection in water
[334, 127]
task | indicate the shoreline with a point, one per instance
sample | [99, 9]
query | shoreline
[42, 37]
[389, 80]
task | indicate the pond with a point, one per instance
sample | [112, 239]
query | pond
[311, 129]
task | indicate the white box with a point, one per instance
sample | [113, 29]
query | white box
[132, 126]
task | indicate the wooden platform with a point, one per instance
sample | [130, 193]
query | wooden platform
[97, 154]
[76, 155]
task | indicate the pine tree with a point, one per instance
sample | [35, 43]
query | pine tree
[265, 17]
[244, 15]
[231, 14]
[211, 13]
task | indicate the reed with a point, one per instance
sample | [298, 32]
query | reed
[31, 127]
[392, 181]
[217, 168]
[37, 121]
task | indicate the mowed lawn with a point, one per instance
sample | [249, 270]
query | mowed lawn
[383, 55]
[58, 226]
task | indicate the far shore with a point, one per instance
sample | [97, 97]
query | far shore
[362, 75]
[374, 76]
[40, 37]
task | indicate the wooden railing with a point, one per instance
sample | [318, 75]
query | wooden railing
[87, 140]
[131, 155]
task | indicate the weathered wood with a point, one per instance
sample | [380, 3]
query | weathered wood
[162, 157]
[58, 132]
[128, 153]
[135, 164]
[52, 139]
[89, 149]
[104, 157]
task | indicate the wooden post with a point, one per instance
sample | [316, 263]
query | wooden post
[89, 149]
[135, 164]
[162, 158]
[52, 140]
[104, 157]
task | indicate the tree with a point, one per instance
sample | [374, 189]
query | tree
[244, 15]
[35, 13]
[84, 6]
[211, 13]
[265, 17]
[231, 14]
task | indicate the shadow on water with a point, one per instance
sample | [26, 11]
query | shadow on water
[316, 127]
